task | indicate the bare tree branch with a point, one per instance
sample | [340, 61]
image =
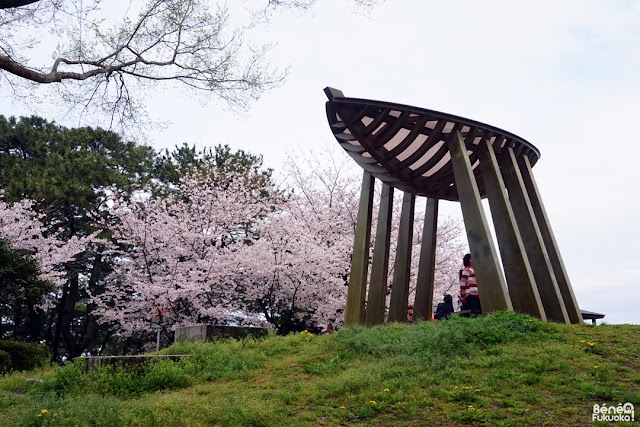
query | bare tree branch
[182, 41]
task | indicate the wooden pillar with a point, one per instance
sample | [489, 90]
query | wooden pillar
[491, 285]
[564, 284]
[521, 283]
[380, 267]
[354, 311]
[534, 245]
[402, 267]
[423, 305]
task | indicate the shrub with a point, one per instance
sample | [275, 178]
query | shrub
[66, 379]
[25, 356]
[164, 374]
[116, 380]
[5, 362]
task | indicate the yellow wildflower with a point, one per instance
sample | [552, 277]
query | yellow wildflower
[591, 344]
[342, 407]
[455, 387]
[386, 390]
[373, 402]
[596, 366]
[477, 389]
[44, 411]
[39, 415]
[583, 341]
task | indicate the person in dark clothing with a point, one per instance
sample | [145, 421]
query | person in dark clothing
[444, 309]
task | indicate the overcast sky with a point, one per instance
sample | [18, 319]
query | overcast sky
[561, 74]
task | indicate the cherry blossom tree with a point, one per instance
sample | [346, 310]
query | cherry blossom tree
[178, 254]
[296, 270]
[303, 272]
[22, 229]
[221, 249]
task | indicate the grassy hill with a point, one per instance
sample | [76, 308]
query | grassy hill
[504, 369]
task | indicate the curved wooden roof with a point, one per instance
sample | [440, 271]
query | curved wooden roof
[406, 147]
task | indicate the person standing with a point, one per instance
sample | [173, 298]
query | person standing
[469, 287]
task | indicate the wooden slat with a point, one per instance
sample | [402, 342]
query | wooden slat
[408, 140]
[377, 121]
[424, 168]
[444, 177]
[357, 128]
[361, 159]
[345, 136]
[433, 181]
[351, 147]
[433, 137]
[389, 131]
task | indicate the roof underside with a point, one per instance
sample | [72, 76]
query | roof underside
[407, 147]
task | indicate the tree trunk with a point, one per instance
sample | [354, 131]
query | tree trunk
[17, 319]
[34, 325]
[55, 344]
[66, 320]
[91, 325]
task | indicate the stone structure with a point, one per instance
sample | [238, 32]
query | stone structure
[204, 332]
[441, 156]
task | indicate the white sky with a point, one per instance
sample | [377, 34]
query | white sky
[561, 74]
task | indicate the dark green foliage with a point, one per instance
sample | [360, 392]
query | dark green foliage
[5, 362]
[25, 356]
[19, 276]
[67, 169]
[22, 290]
[183, 159]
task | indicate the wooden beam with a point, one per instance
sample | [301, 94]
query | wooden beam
[402, 266]
[354, 310]
[564, 284]
[491, 284]
[522, 286]
[380, 268]
[423, 304]
[533, 243]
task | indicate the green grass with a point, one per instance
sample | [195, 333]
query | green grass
[504, 369]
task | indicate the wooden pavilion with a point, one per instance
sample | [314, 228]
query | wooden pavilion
[441, 156]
